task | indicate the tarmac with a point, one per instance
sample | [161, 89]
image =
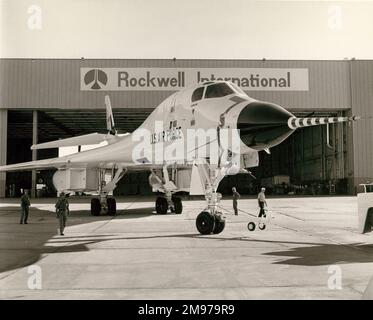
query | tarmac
[310, 250]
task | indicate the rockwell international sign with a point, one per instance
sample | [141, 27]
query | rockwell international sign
[168, 79]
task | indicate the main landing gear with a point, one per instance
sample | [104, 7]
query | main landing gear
[166, 204]
[108, 205]
[104, 203]
[164, 182]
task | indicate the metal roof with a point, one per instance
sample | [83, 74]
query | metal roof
[55, 124]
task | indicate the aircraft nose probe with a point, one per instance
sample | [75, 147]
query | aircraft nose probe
[295, 123]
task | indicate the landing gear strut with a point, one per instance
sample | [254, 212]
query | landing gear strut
[211, 220]
[104, 203]
[162, 182]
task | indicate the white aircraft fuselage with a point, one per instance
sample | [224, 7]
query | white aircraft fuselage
[169, 122]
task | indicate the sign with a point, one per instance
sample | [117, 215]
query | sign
[169, 79]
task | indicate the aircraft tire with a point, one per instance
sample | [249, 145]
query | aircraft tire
[219, 226]
[251, 226]
[111, 206]
[178, 205]
[205, 223]
[95, 207]
[262, 226]
[161, 205]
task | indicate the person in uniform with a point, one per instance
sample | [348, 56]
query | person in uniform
[236, 196]
[262, 202]
[62, 210]
[25, 205]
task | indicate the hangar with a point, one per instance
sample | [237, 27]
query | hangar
[47, 99]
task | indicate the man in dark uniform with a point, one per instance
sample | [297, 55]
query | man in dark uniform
[62, 210]
[236, 196]
[25, 204]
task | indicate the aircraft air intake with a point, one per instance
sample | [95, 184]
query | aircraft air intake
[263, 125]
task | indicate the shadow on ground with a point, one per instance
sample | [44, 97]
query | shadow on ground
[19, 247]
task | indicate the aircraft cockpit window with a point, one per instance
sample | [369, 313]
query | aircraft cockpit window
[237, 88]
[218, 90]
[197, 94]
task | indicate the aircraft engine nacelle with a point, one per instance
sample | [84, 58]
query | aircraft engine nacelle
[76, 179]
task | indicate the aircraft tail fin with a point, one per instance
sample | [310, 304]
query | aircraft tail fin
[110, 125]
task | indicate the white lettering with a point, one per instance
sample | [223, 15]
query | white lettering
[34, 281]
[34, 21]
[335, 280]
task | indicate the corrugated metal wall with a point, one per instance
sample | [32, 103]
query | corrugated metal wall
[362, 101]
[3, 147]
[53, 83]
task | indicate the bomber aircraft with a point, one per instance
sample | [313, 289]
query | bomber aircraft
[189, 143]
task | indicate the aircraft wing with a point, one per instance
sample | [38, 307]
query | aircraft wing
[34, 165]
[65, 162]
[87, 139]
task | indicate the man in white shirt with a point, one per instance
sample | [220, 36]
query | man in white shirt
[262, 202]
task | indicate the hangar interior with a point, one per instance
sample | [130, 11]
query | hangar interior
[303, 164]
[42, 100]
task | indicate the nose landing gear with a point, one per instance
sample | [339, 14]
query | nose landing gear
[211, 220]
[208, 223]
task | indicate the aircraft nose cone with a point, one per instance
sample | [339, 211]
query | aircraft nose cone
[263, 125]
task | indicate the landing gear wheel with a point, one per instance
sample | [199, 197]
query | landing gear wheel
[95, 207]
[111, 206]
[161, 205]
[262, 226]
[205, 222]
[251, 226]
[178, 205]
[219, 225]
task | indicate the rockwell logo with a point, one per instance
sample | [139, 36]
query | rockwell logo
[95, 79]
[150, 80]
[172, 79]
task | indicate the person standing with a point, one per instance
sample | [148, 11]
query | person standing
[236, 196]
[62, 210]
[25, 205]
[262, 202]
